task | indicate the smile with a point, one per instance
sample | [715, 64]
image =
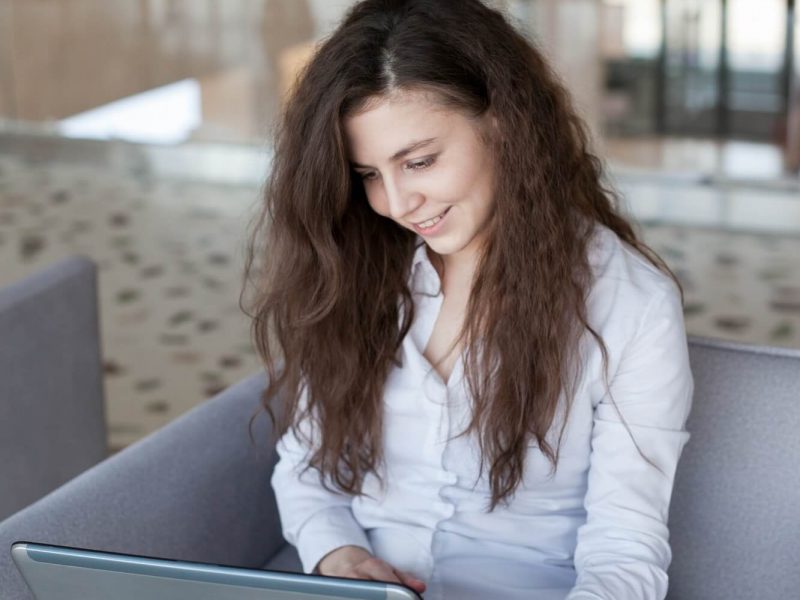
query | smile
[431, 222]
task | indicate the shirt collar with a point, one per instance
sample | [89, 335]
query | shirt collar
[420, 254]
[424, 278]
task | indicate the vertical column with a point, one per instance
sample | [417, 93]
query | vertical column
[569, 32]
[8, 90]
[660, 104]
[792, 83]
[723, 97]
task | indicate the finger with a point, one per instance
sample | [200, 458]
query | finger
[409, 580]
[374, 568]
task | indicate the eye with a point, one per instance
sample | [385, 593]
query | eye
[367, 176]
[418, 165]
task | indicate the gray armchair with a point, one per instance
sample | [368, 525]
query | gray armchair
[199, 489]
[52, 423]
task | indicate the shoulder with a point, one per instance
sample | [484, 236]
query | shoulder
[628, 292]
[622, 271]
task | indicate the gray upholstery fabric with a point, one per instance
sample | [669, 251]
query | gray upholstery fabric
[286, 559]
[52, 421]
[197, 490]
[735, 514]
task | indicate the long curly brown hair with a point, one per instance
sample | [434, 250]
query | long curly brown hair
[329, 277]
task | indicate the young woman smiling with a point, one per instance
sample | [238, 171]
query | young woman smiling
[484, 371]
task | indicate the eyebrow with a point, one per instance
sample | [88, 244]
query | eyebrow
[401, 153]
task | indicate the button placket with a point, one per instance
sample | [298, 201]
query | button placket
[438, 395]
[448, 477]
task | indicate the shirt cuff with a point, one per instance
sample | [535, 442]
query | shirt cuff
[620, 581]
[583, 595]
[327, 530]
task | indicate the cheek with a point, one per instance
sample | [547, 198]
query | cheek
[469, 178]
[475, 194]
[378, 203]
[483, 189]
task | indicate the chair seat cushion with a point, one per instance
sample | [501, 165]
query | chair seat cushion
[285, 560]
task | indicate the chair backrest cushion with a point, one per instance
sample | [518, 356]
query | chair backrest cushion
[52, 420]
[735, 511]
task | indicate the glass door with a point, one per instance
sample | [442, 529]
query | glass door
[757, 39]
[692, 92]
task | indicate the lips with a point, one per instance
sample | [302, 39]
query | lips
[435, 225]
[432, 221]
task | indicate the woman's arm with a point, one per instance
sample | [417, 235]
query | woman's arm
[320, 522]
[314, 519]
[623, 549]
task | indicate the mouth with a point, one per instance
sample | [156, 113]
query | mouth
[431, 224]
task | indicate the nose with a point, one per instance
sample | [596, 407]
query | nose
[401, 200]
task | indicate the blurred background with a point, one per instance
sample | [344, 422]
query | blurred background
[137, 132]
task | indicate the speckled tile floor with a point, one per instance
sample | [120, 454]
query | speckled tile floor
[170, 253]
[738, 286]
[170, 258]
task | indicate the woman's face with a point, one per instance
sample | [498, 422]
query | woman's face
[426, 168]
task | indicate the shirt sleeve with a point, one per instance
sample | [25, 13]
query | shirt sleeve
[623, 550]
[315, 520]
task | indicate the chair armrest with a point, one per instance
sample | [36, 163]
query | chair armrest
[52, 421]
[197, 489]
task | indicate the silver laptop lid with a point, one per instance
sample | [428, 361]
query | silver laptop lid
[62, 573]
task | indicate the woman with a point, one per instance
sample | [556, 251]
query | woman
[485, 372]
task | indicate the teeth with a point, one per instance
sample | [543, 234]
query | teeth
[431, 222]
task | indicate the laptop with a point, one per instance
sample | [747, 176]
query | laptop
[63, 573]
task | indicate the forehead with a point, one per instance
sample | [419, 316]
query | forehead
[388, 124]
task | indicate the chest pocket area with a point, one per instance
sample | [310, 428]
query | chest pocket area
[406, 421]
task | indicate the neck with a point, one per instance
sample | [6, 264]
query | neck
[455, 270]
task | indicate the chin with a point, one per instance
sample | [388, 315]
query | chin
[445, 247]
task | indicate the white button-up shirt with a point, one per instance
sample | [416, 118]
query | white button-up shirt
[596, 528]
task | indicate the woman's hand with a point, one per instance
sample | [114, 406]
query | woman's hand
[356, 563]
